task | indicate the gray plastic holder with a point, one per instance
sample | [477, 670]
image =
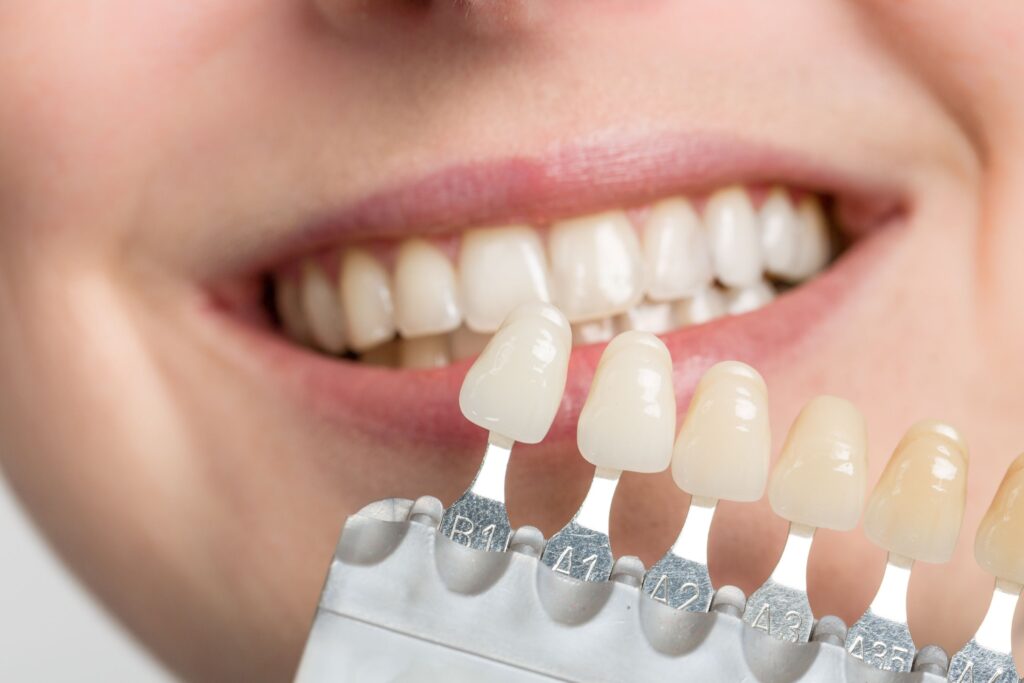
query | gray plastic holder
[403, 603]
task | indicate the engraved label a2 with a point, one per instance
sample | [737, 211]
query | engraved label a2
[687, 593]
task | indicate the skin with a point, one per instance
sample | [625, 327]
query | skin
[150, 149]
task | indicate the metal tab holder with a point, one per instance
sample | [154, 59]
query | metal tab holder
[987, 657]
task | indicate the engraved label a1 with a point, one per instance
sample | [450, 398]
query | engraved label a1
[564, 563]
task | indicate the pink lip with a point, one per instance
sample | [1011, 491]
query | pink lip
[423, 405]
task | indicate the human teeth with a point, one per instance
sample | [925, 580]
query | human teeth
[917, 506]
[749, 298]
[999, 545]
[466, 343]
[733, 235]
[288, 301]
[723, 447]
[675, 251]
[426, 295]
[597, 266]
[322, 309]
[424, 352]
[593, 332]
[629, 418]
[366, 300]
[384, 355]
[815, 242]
[780, 235]
[656, 318]
[500, 268]
[515, 386]
[820, 478]
[706, 305]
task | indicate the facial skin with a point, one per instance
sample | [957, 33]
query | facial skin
[153, 152]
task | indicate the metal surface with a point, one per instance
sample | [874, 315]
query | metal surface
[881, 638]
[680, 579]
[582, 548]
[479, 519]
[780, 607]
[988, 657]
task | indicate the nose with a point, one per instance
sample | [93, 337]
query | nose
[480, 17]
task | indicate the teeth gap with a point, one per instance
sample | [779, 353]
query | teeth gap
[424, 303]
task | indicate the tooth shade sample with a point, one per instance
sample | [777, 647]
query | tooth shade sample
[675, 251]
[999, 545]
[750, 298]
[706, 305]
[426, 296]
[366, 300]
[733, 235]
[500, 268]
[821, 476]
[780, 235]
[424, 352]
[722, 450]
[918, 504]
[629, 418]
[596, 266]
[815, 242]
[289, 307]
[515, 386]
[322, 309]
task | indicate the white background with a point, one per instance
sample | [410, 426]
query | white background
[51, 630]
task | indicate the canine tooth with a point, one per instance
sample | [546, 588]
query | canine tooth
[656, 318]
[628, 421]
[426, 295]
[815, 242]
[466, 343]
[723, 447]
[820, 477]
[675, 251]
[593, 332]
[750, 298]
[288, 303]
[780, 235]
[366, 300]
[500, 268]
[999, 545]
[918, 504]
[706, 305]
[597, 266]
[733, 235]
[515, 386]
[424, 352]
[322, 307]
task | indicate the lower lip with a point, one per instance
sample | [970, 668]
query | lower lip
[396, 406]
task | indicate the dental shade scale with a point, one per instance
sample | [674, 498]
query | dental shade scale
[999, 549]
[915, 513]
[721, 453]
[513, 390]
[819, 482]
[627, 424]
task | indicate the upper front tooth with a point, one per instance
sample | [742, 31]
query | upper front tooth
[596, 265]
[515, 386]
[723, 448]
[426, 297]
[735, 243]
[322, 307]
[366, 300]
[820, 477]
[918, 505]
[999, 545]
[780, 235]
[675, 251]
[815, 242]
[499, 269]
[629, 418]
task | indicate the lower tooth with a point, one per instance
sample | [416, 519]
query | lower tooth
[593, 332]
[384, 355]
[750, 298]
[322, 307]
[424, 352]
[704, 306]
[466, 343]
[656, 318]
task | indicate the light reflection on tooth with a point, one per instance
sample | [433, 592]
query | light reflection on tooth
[675, 251]
[780, 235]
[647, 316]
[733, 235]
[288, 304]
[366, 300]
[750, 298]
[424, 352]
[322, 309]
[593, 332]
[426, 295]
[706, 305]
[596, 266]
[465, 343]
[500, 268]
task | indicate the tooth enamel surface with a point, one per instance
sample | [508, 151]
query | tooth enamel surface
[288, 301]
[675, 251]
[384, 355]
[723, 447]
[515, 387]
[366, 300]
[734, 237]
[593, 332]
[596, 266]
[820, 478]
[999, 545]
[706, 305]
[815, 242]
[426, 295]
[917, 506]
[500, 268]
[424, 352]
[655, 318]
[780, 235]
[322, 309]
[751, 298]
[629, 418]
